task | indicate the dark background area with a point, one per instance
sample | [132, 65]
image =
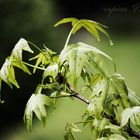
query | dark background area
[34, 21]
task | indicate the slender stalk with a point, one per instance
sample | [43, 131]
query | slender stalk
[70, 33]
[33, 66]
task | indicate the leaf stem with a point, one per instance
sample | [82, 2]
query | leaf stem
[33, 66]
[70, 33]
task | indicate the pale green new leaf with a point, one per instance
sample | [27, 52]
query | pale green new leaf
[82, 56]
[21, 46]
[132, 114]
[7, 73]
[36, 104]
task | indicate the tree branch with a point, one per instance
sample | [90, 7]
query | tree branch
[127, 128]
[77, 95]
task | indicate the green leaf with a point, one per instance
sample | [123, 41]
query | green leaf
[91, 26]
[82, 57]
[19, 47]
[130, 113]
[36, 104]
[7, 73]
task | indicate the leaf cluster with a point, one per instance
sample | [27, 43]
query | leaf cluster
[78, 70]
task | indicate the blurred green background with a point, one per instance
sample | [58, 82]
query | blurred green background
[34, 21]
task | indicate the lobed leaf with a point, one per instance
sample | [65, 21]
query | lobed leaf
[36, 104]
[7, 73]
[91, 26]
[82, 57]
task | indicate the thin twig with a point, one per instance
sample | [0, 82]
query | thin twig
[30, 65]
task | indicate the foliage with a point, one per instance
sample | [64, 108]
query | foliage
[113, 110]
